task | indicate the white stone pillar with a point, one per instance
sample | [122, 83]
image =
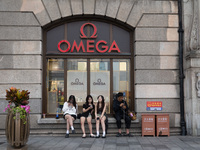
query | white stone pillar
[195, 36]
[192, 65]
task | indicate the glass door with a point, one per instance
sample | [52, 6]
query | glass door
[55, 85]
[100, 80]
[121, 78]
[77, 80]
[80, 77]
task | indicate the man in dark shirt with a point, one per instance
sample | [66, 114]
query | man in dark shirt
[120, 108]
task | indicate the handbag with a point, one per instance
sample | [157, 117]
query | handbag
[132, 115]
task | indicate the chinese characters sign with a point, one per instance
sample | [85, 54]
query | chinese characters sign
[154, 105]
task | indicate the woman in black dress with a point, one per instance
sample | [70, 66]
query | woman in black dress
[88, 109]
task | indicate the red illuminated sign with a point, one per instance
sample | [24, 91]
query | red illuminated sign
[154, 105]
[101, 46]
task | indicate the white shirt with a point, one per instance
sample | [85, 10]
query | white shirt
[68, 109]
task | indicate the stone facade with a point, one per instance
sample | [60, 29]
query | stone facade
[192, 47]
[155, 48]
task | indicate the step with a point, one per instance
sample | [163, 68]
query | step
[57, 127]
[111, 132]
[77, 121]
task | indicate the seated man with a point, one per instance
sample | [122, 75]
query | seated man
[120, 108]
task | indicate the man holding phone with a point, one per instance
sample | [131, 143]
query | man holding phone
[120, 108]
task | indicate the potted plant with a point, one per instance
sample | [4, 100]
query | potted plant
[17, 121]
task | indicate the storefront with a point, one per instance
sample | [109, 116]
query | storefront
[87, 56]
[57, 48]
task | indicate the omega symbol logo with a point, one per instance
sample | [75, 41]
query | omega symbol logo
[77, 82]
[99, 82]
[94, 35]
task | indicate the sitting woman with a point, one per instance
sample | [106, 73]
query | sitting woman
[88, 109]
[69, 113]
[100, 115]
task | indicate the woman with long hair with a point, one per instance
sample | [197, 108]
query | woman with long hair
[88, 109]
[69, 113]
[100, 115]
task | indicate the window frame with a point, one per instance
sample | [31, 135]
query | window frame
[88, 57]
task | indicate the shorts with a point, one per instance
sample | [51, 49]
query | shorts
[74, 116]
[89, 115]
[99, 115]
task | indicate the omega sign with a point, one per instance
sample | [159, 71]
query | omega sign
[99, 82]
[76, 82]
[90, 44]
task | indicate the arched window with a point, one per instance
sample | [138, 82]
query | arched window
[84, 57]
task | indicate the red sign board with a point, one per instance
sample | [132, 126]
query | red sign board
[154, 105]
[100, 46]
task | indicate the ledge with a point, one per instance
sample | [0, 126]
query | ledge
[193, 54]
[62, 121]
[51, 121]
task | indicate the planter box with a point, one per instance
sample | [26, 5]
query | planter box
[17, 133]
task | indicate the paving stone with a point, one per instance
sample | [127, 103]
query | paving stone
[161, 147]
[122, 147]
[110, 142]
[63, 143]
[135, 147]
[122, 144]
[85, 145]
[110, 146]
[96, 148]
[147, 145]
[134, 143]
[149, 148]
[77, 143]
[83, 149]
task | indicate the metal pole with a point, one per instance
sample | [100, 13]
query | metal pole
[181, 74]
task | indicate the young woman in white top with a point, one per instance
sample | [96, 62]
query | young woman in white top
[69, 113]
[100, 115]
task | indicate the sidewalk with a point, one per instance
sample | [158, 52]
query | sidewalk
[110, 143]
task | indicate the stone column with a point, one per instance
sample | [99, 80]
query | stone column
[192, 65]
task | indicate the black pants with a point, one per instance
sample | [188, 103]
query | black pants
[118, 118]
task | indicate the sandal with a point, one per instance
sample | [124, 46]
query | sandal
[84, 136]
[92, 135]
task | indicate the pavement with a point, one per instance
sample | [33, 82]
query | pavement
[109, 143]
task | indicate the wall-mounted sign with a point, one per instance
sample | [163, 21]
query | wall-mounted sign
[99, 82]
[154, 105]
[77, 82]
[91, 45]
